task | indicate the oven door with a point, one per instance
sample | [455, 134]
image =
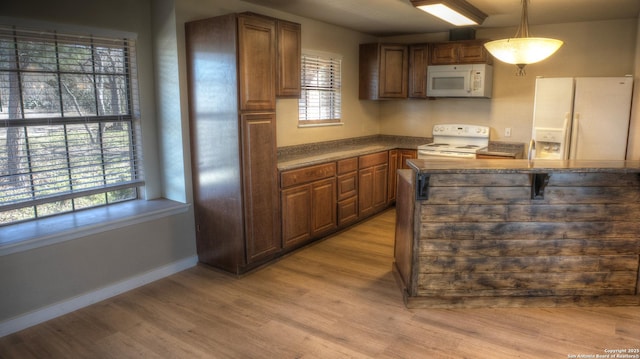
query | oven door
[423, 154]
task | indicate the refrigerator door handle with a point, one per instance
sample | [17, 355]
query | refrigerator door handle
[574, 136]
[566, 136]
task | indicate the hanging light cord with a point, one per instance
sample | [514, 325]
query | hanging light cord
[523, 30]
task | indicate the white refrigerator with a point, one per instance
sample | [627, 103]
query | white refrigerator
[582, 118]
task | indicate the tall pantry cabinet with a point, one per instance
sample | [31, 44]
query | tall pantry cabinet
[232, 90]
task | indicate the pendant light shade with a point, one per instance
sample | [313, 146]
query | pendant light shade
[522, 50]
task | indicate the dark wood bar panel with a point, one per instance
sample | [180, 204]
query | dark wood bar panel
[486, 233]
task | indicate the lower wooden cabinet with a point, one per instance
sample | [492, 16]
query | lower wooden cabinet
[393, 168]
[347, 191]
[308, 203]
[404, 155]
[317, 200]
[372, 183]
[296, 215]
[323, 207]
[397, 160]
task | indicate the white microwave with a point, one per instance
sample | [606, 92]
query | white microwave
[472, 80]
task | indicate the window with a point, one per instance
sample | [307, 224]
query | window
[68, 117]
[320, 96]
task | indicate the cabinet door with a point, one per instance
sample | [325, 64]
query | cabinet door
[472, 53]
[289, 55]
[372, 193]
[347, 211]
[347, 185]
[380, 183]
[365, 192]
[418, 61]
[296, 215]
[393, 71]
[256, 63]
[404, 155]
[323, 206]
[393, 167]
[444, 53]
[260, 185]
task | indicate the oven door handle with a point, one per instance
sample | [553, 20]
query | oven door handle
[429, 154]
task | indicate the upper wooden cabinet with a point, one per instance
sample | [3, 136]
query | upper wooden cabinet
[383, 71]
[289, 56]
[257, 63]
[418, 61]
[459, 52]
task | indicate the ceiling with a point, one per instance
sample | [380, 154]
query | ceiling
[399, 17]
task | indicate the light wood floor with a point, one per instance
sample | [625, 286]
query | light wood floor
[334, 299]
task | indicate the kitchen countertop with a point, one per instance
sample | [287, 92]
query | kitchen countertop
[504, 149]
[292, 157]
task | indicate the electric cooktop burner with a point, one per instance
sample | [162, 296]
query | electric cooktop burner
[456, 140]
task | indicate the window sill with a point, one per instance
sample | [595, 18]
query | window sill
[321, 124]
[47, 231]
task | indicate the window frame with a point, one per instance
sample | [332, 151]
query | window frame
[334, 88]
[130, 118]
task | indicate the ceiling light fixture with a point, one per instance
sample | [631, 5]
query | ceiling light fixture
[456, 12]
[522, 50]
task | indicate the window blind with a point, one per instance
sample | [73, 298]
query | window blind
[68, 123]
[320, 99]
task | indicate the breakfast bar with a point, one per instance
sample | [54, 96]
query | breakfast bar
[495, 233]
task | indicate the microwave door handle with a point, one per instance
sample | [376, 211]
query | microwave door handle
[470, 88]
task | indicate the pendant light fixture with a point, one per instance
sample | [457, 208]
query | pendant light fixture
[455, 12]
[523, 50]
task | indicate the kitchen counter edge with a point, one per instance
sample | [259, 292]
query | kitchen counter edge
[522, 166]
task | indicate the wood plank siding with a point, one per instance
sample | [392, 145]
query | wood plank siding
[482, 240]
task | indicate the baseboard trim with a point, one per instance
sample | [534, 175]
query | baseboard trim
[61, 308]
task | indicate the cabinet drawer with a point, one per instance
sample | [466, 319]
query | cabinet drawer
[348, 165]
[373, 159]
[347, 211]
[347, 186]
[307, 174]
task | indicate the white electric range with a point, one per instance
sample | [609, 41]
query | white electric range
[455, 141]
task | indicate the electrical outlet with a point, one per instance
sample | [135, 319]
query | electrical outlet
[507, 132]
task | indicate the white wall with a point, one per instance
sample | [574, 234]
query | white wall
[603, 48]
[35, 279]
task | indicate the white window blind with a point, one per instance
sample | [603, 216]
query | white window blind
[68, 123]
[320, 100]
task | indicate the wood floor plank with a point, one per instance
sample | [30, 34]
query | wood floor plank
[336, 298]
